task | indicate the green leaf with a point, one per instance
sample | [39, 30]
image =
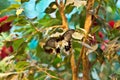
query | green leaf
[11, 7]
[95, 29]
[11, 18]
[22, 1]
[4, 4]
[22, 48]
[51, 8]
[4, 62]
[17, 43]
[69, 8]
[48, 21]
[21, 21]
[22, 65]
[58, 15]
[56, 61]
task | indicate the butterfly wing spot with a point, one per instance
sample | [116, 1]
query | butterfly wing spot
[58, 50]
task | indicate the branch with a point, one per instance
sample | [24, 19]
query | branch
[73, 66]
[82, 56]
[61, 8]
[88, 20]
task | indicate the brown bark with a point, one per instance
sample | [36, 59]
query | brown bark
[83, 57]
[73, 67]
[87, 26]
[61, 8]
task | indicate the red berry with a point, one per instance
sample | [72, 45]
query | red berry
[10, 49]
[95, 23]
[4, 52]
[101, 35]
[3, 55]
[5, 27]
[111, 23]
[106, 41]
[3, 18]
[102, 47]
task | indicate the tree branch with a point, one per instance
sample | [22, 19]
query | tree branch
[83, 57]
[73, 66]
[61, 8]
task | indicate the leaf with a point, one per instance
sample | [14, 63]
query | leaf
[51, 8]
[93, 48]
[56, 61]
[77, 3]
[58, 15]
[17, 43]
[4, 4]
[22, 65]
[48, 21]
[11, 18]
[95, 29]
[22, 48]
[21, 21]
[69, 2]
[77, 35]
[69, 8]
[5, 62]
[13, 6]
[22, 1]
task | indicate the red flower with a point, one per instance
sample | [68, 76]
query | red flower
[4, 52]
[101, 35]
[111, 23]
[6, 26]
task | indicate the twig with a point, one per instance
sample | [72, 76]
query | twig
[33, 26]
[2, 75]
[45, 71]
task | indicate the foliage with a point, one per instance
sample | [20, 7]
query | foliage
[26, 38]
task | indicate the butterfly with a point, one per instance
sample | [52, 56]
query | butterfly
[60, 43]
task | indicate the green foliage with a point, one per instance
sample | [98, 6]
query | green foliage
[47, 21]
[25, 63]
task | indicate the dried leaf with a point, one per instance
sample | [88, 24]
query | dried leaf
[93, 48]
[77, 35]
[77, 3]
